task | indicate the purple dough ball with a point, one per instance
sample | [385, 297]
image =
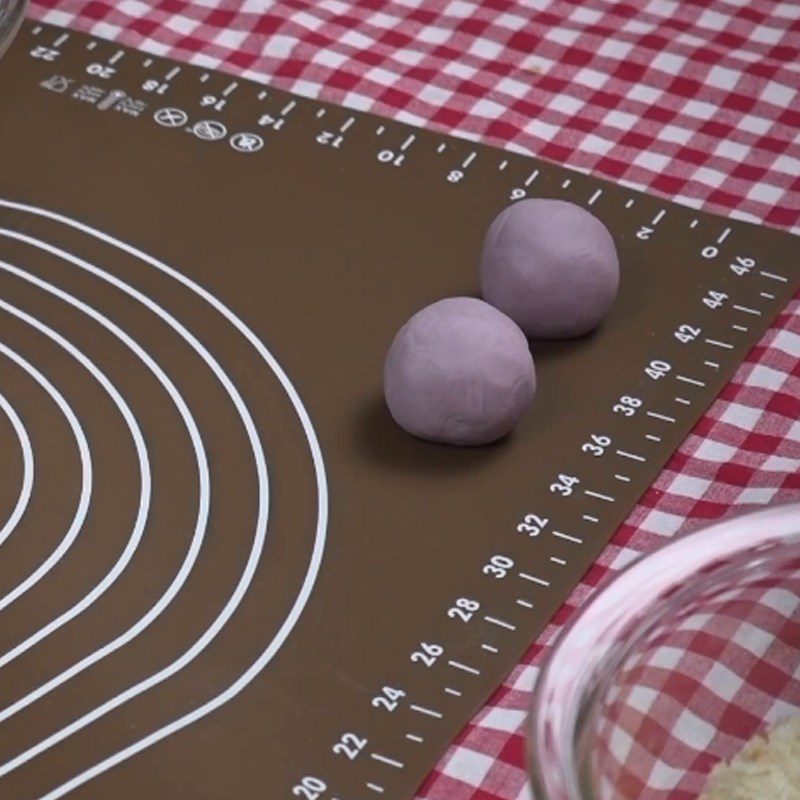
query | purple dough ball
[551, 266]
[459, 372]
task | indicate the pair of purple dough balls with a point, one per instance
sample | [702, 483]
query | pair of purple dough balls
[460, 371]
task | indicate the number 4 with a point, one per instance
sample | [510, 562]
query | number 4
[388, 699]
[715, 300]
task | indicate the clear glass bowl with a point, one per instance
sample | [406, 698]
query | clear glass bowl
[11, 14]
[673, 666]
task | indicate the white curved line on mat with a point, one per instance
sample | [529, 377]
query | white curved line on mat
[322, 504]
[141, 453]
[201, 523]
[28, 470]
[86, 481]
[260, 528]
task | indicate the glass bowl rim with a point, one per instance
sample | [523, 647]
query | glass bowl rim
[12, 13]
[651, 576]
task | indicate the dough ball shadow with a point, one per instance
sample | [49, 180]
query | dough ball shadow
[383, 442]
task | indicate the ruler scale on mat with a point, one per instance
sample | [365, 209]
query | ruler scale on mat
[226, 573]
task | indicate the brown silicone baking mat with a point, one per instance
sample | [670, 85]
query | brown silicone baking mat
[224, 572]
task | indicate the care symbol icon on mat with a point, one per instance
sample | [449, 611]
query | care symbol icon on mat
[58, 83]
[112, 98]
[89, 94]
[246, 142]
[171, 117]
[209, 130]
[127, 105]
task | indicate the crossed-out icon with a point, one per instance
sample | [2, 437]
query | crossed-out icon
[209, 130]
[171, 117]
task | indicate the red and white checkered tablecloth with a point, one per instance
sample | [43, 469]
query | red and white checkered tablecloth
[696, 100]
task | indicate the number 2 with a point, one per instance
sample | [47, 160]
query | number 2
[463, 609]
[533, 525]
[388, 699]
[349, 746]
[687, 333]
[45, 53]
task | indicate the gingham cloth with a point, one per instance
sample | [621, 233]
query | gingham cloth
[696, 100]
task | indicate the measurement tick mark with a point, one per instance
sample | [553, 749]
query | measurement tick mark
[566, 183]
[321, 113]
[380, 130]
[630, 203]
[590, 518]
[469, 159]
[408, 142]
[598, 495]
[453, 692]
[524, 603]
[652, 437]
[559, 561]
[692, 381]
[116, 57]
[683, 401]
[428, 712]
[503, 165]
[623, 478]
[723, 236]
[631, 456]
[172, 73]
[595, 197]
[37, 30]
[712, 364]
[532, 177]
[500, 623]
[767, 295]
[441, 148]
[262, 95]
[741, 328]
[229, 89]
[204, 77]
[747, 310]
[658, 217]
[723, 345]
[148, 62]
[489, 648]
[375, 788]
[412, 737]
[91, 45]
[386, 760]
[61, 39]
[464, 667]
[567, 537]
[773, 277]
[288, 107]
[534, 579]
[693, 223]
[662, 417]
[347, 125]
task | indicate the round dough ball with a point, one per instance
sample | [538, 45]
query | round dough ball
[551, 266]
[459, 372]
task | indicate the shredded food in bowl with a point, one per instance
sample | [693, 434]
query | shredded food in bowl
[767, 768]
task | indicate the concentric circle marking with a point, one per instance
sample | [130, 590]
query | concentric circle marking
[28, 470]
[322, 501]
